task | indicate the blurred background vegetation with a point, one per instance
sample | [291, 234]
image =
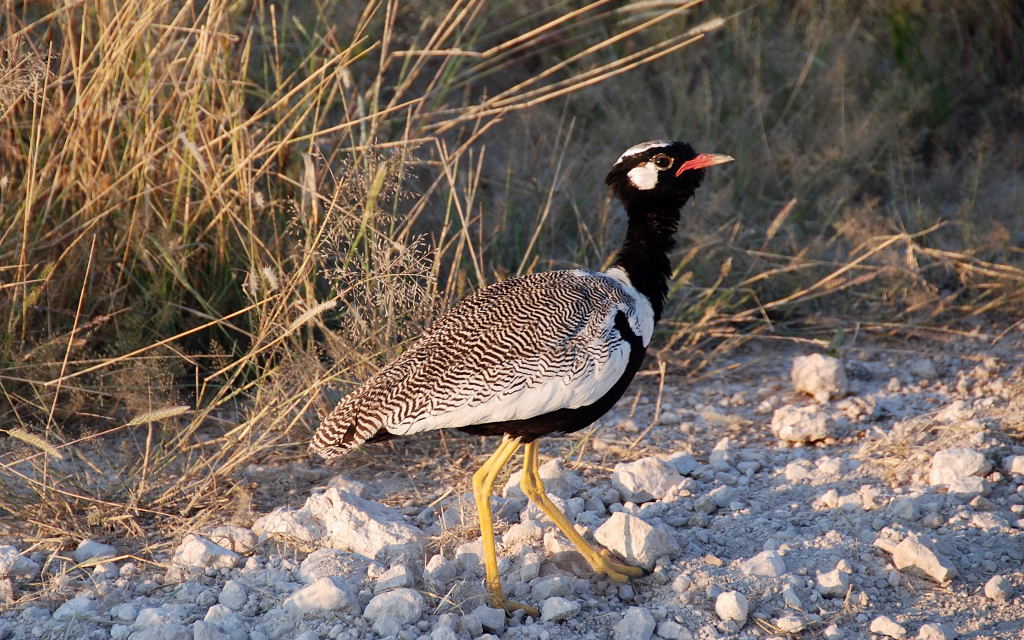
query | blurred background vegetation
[213, 212]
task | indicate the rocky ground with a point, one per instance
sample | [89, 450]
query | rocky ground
[777, 496]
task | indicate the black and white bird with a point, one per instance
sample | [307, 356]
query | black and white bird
[536, 354]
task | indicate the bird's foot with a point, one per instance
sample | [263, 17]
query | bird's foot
[499, 601]
[617, 571]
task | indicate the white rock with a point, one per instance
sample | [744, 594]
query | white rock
[998, 588]
[800, 424]
[551, 586]
[233, 595]
[933, 631]
[490, 618]
[789, 624]
[886, 626]
[124, 612]
[790, 598]
[399, 575]
[967, 488]
[197, 551]
[637, 624]
[15, 565]
[672, 630]
[833, 584]
[521, 533]
[732, 606]
[469, 556]
[766, 563]
[389, 612]
[289, 524]
[682, 462]
[77, 607]
[819, 376]
[556, 479]
[238, 539]
[918, 558]
[923, 368]
[1014, 465]
[324, 562]
[722, 455]
[959, 462]
[370, 528]
[833, 632]
[88, 549]
[645, 479]
[557, 609]
[439, 572]
[174, 631]
[325, 594]
[203, 630]
[635, 540]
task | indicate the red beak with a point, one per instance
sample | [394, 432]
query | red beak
[703, 160]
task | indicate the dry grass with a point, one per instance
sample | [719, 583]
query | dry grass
[243, 208]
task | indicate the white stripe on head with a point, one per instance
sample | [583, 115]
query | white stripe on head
[643, 146]
[643, 176]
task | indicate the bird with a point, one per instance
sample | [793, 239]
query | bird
[536, 354]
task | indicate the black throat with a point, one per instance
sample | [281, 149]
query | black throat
[644, 253]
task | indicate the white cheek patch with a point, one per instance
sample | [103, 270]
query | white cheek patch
[643, 176]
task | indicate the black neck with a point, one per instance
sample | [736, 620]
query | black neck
[644, 253]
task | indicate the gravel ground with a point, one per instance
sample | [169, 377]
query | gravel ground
[777, 496]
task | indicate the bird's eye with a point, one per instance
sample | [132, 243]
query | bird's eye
[662, 161]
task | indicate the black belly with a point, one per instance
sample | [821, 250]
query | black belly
[569, 420]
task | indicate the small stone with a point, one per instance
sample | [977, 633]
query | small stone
[672, 630]
[915, 557]
[800, 424]
[557, 609]
[886, 626]
[789, 624]
[959, 462]
[637, 624]
[1014, 465]
[933, 631]
[732, 606]
[439, 572]
[330, 593]
[77, 607]
[324, 562]
[998, 588]
[389, 612]
[833, 632]
[966, 488]
[197, 551]
[790, 598]
[833, 584]
[15, 565]
[645, 479]
[635, 540]
[923, 368]
[766, 563]
[682, 462]
[233, 595]
[88, 549]
[819, 376]
[239, 539]
[289, 524]
[468, 556]
[551, 586]
[490, 618]
[398, 576]
[905, 509]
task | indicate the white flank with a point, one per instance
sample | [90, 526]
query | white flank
[640, 148]
[643, 176]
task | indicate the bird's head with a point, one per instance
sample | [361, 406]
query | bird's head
[660, 174]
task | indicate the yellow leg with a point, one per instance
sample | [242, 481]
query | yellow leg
[483, 484]
[534, 490]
